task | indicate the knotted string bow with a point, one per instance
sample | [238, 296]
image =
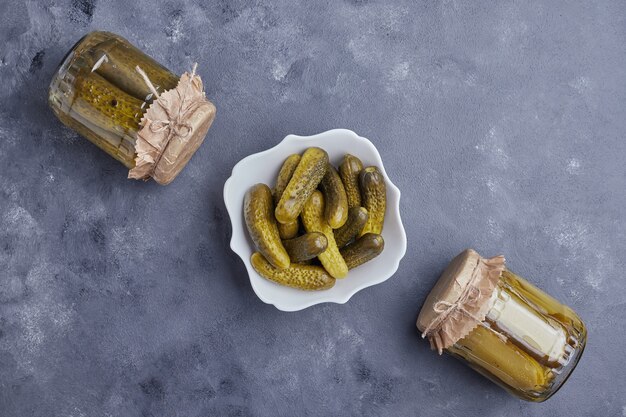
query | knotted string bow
[175, 120]
[444, 308]
[454, 320]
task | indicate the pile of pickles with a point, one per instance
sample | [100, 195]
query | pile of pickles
[317, 222]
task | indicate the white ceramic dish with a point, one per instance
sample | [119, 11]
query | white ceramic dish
[263, 167]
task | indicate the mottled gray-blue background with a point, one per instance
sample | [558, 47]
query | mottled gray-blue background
[503, 123]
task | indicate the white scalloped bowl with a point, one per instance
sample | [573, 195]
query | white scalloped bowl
[263, 167]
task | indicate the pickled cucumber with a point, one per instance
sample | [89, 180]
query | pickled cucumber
[336, 211]
[119, 67]
[304, 181]
[284, 175]
[70, 98]
[502, 359]
[314, 221]
[305, 247]
[262, 227]
[374, 198]
[303, 277]
[287, 230]
[357, 217]
[364, 249]
[349, 171]
[105, 108]
[114, 107]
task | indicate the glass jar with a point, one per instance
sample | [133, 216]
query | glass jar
[103, 89]
[503, 327]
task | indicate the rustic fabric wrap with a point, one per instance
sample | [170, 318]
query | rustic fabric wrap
[172, 129]
[460, 300]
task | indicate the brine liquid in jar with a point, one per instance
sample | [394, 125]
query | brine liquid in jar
[103, 89]
[529, 342]
[515, 334]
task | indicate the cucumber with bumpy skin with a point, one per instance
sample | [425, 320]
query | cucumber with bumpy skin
[259, 216]
[336, 211]
[314, 221]
[304, 181]
[303, 277]
[305, 247]
[374, 198]
[287, 230]
[349, 171]
[117, 61]
[105, 105]
[284, 175]
[357, 217]
[363, 250]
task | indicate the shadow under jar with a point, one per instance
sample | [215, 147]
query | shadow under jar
[503, 327]
[104, 87]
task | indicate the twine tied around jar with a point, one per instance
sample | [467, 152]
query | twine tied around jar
[455, 317]
[174, 121]
[444, 308]
[172, 128]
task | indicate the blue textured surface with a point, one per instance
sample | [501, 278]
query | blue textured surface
[503, 124]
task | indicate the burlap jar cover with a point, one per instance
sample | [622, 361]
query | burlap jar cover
[172, 129]
[459, 301]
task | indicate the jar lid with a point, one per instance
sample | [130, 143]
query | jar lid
[172, 129]
[459, 300]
